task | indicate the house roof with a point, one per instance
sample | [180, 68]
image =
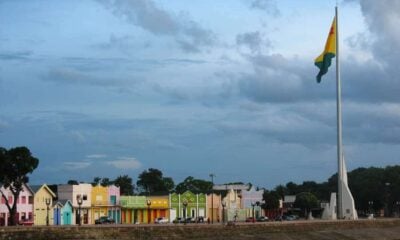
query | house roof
[64, 202]
[36, 188]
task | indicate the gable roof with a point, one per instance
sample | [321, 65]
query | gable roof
[65, 202]
[26, 186]
[36, 188]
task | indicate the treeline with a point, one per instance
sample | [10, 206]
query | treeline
[152, 182]
[372, 188]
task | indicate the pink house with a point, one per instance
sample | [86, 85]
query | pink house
[114, 209]
[24, 205]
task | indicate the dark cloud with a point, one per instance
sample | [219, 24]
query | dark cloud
[76, 77]
[16, 55]
[252, 40]
[269, 6]
[189, 35]
[382, 18]
[278, 79]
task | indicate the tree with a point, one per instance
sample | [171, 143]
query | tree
[125, 185]
[16, 164]
[152, 181]
[193, 185]
[96, 181]
[72, 182]
[106, 182]
[271, 200]
[306, 201]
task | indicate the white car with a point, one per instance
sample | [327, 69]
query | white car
[161, 220]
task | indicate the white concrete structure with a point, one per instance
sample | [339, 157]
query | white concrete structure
[329, 212]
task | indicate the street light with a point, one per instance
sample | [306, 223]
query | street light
[253, 204]
[212, 175]
[387, 214]
[370, 204]
[48, 208]
[185, 203]
[79, 200]
[148, 202]
[223, 211]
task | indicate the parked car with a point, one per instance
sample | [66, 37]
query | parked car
[190, 220]
[291, 217]
[104, 220]
[262, 219]
[200, 220]
[250, 219]
[286, 218]
[179, 220]
[25, 222]
[161, 220]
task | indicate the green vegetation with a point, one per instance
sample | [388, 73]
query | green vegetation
[16, 164]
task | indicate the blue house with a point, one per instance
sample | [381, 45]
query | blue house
[66, 212]
[57, 213]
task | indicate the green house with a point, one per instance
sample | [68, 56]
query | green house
[134, 209]
[187, 205]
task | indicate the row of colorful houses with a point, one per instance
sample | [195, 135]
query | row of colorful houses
[84, 203]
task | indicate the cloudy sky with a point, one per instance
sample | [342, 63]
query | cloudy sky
[111, 87]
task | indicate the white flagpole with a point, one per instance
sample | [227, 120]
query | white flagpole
[339, 122]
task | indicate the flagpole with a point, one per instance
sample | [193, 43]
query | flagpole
[339, 123]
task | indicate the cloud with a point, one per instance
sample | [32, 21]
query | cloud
[252, 40]
[96, 156]
[125, 163]
[189, 35]
[77, 136]
[3, 124]
[76, 77]
[76, 165]
[269, 6]
[16, 55]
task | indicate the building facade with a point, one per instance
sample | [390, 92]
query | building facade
[252, 200]
[187, 205]
[114, 207]
[43, 205]
[133, 209]
[83, 191]
[67, 212]
[24, 205]
[105, 202]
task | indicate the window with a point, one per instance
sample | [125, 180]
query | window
[113, 199]
[3, 200]
[30, 200]
[10, 199]
[23, 200]
[84, 197]
[30, 216]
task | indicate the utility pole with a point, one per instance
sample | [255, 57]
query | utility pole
[212, 175]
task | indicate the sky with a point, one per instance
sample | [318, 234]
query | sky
[113, 87]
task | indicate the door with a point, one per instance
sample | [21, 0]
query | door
[67, 217]
[56, 216]
[172, 215]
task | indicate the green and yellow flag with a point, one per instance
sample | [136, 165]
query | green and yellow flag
[323, 61]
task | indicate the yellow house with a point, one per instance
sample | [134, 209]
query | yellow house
[158, 206]
[99, 202]
[42, 205]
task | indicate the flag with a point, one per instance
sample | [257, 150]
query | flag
[323, 61]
